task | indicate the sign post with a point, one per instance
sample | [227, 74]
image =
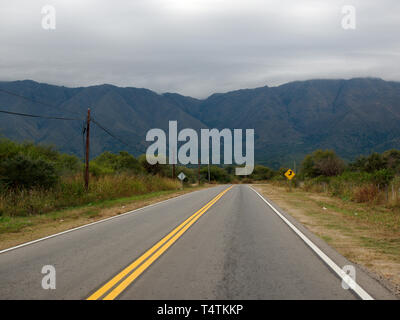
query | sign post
[181, 177]
[290, 175]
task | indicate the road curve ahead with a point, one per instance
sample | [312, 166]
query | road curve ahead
[219, 243]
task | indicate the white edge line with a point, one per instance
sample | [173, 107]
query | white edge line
[93, 223]
[357, 289]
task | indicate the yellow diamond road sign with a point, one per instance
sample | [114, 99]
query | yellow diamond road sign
[290, 174]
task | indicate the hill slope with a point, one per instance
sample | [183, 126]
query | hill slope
[351, 116]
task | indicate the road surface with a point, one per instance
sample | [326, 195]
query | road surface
[224, 242]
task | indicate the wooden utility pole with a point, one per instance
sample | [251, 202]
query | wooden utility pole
[87, 151]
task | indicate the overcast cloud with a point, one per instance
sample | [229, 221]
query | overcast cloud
[197, 47]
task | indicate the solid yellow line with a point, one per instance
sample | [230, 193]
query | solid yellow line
[137, 262]
[105, 288]
[122, 286]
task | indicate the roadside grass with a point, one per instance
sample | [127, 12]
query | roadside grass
[326, 238]
[368, 235]
[70, 192]
[387, 246]
[11, 224]
[91, 210]
[18, 229]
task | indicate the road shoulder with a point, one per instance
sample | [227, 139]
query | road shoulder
[320, 225]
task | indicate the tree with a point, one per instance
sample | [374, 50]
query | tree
[392, 159]
[216, 174]
[383, 177]
[322, 163]
[262, 173]
[160, 169]
[374, 162]
[358, 164]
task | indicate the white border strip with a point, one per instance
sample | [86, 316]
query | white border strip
[356, 288]
[96, 222]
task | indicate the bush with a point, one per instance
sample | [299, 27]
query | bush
[97, 170]
[392, 160]
[123, 161]
[262, 173]
[23, 172]
[318, 184]
[155, 169]
[280, 175]
[216, 174]
[67, 164]
[369, 164]
[382, 177]
[191, 174]
[63, 163]
[366, 193]
[322, 163]
[38, 179]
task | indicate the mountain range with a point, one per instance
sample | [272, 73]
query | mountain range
[352, 117]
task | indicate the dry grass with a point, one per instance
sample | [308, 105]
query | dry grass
[71, 192]
[368, 193]
[368, 235]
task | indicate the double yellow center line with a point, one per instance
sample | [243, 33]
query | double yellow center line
[122, 280]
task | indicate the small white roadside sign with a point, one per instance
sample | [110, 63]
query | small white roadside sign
[181, 176]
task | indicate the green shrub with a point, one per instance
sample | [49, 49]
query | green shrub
[369, 164]
[217, 174]
[98, 170]
[68, 164]
[322, 163]
[191, 174]
[155, 169]
[382, 177]
[262, 173]
[36, 179]
[392, 159]
[21, 171]
[123, 161]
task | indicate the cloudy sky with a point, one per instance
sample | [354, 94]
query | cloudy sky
[197, 47]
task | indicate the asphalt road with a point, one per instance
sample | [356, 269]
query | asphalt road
[233, 246]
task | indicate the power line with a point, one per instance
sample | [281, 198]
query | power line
[58, 118]
[114, 136]
[37, 116]
[110, 133]
[33, 100]
[64, 118]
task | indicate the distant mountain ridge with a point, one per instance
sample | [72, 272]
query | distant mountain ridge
[353, 117]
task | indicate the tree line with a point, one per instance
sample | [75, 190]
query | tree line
[28, 169]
